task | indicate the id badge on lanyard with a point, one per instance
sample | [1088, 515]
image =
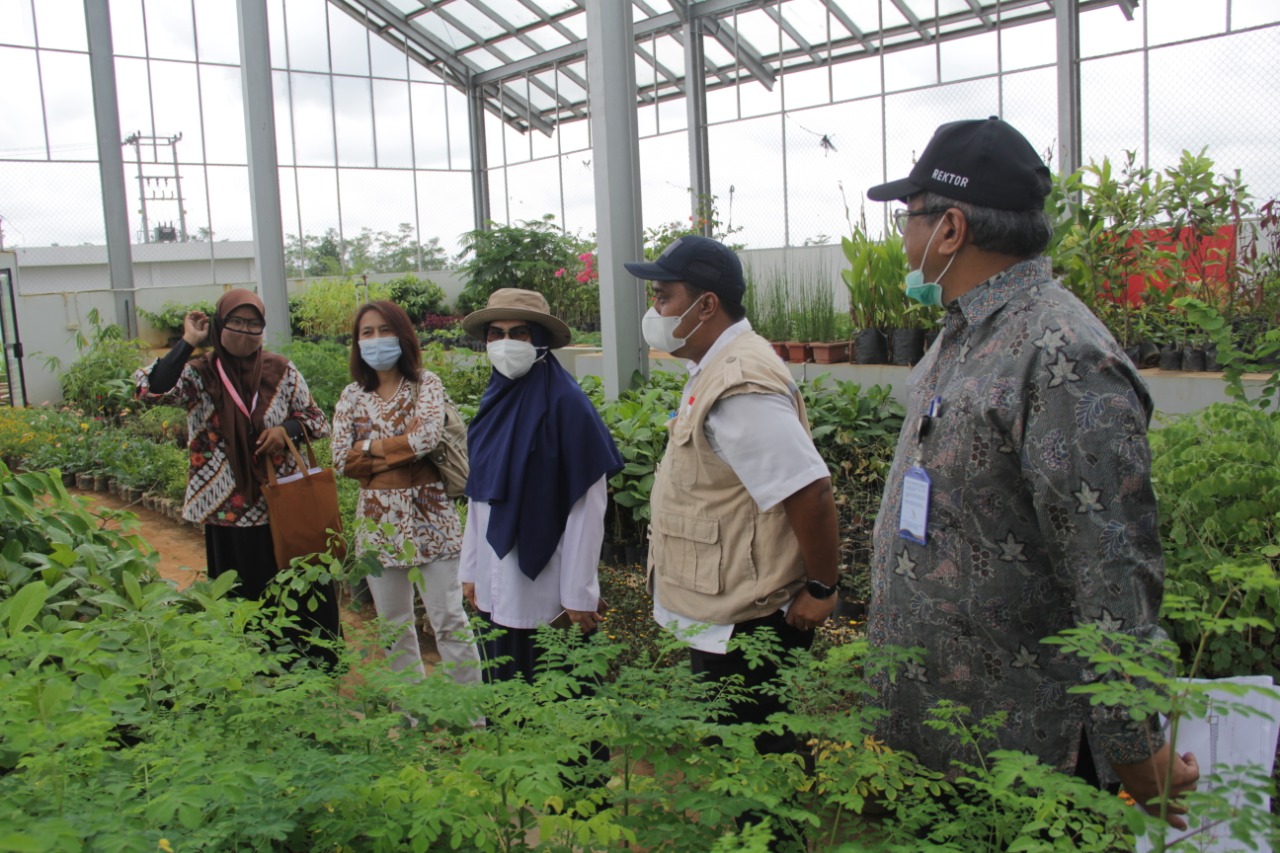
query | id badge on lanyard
[913, 514]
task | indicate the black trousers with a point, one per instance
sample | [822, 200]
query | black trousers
[249, 552]
[758, 705]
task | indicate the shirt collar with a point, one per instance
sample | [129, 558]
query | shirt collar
[726, 337]
[993, 294]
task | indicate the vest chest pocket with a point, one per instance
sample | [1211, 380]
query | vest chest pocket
[687, 552]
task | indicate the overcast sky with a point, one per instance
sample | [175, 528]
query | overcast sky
[1224, 93]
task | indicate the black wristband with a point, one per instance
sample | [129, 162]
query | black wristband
[820, 590]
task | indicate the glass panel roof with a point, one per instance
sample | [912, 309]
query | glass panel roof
[513, 47]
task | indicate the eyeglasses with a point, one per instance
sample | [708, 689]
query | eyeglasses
[902, 216]
[241, 324]
[516, 333]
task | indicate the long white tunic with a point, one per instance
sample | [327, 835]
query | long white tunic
[570, 580]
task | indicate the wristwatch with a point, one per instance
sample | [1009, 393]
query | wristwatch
[819, 590]
[364, 448]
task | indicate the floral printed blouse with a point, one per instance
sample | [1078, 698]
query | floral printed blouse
[1041, 517]
[211, 496]
[422, 514]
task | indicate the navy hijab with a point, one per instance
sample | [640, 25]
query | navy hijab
[536, 445]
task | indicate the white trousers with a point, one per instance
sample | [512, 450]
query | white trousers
[442, 596]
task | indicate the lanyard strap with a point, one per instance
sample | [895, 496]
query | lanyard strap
[235, 396]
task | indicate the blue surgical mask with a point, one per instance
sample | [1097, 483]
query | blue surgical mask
[927, 292]
[380, 353]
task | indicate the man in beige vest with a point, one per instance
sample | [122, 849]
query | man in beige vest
[744, 533]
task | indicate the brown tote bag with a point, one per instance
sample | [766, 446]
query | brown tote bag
[302, 508]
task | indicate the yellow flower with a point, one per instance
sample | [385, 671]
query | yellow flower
[165, 846]
[83, 425]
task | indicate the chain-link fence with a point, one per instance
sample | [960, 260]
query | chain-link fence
[375, 153]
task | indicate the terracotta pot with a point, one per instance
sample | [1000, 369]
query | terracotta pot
[830, 352]
[798, 352]
[780, 348]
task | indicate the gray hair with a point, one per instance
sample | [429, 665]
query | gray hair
[1022, 233]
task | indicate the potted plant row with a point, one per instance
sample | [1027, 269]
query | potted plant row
[887, 328]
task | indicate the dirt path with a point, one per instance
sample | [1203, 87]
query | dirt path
[180, 548]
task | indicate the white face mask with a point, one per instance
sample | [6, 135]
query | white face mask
[660, 332]
[512, 359]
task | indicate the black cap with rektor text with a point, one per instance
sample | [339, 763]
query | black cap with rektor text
[984, 162]
[705, 263]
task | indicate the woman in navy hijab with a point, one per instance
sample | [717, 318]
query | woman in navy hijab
[540, 459]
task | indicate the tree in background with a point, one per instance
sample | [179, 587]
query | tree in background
[370, 251]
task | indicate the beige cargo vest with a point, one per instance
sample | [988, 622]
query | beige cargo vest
[713, 555]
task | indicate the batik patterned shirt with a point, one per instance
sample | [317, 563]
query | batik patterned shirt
[420, 514]
[1041, 517]
[211, 496]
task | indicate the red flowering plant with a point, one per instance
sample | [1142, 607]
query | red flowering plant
[580, 303]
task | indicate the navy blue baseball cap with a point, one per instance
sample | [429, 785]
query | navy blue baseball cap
[985, 162]
[700, 261]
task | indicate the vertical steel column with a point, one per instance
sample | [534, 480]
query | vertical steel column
[611, 79]
[264, 174]
[479, 155]
[1068, 20]
[115, 207]
[695, 93]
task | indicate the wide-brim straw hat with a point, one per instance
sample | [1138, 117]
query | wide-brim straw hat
[513, 303]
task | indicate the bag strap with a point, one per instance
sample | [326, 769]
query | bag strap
[303, 468]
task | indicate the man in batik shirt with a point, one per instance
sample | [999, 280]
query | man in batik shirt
[1020, 500]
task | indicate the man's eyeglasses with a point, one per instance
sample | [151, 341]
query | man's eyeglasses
[902, 216]
[516, 333]
[241, 324]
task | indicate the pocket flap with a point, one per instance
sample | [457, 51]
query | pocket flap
[704, 530]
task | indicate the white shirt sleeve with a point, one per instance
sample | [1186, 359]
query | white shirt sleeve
[470, 547]
[580, 549]
[762, 440]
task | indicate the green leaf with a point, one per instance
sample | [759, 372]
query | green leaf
[21, 610]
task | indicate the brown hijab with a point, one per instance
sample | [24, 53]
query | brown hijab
[257, 375]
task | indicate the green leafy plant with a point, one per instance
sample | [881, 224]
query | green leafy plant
[1219, 495]
[874, 278]
[100, 380]
[418, 297]
[707, 221]
[169, 318]
[638, 422]
[328, 306]
[527, 255]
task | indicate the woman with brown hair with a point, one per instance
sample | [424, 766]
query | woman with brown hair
[241, 402]
[385, 424]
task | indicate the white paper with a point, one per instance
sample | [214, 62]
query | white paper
[1224, 739]
[297, 475]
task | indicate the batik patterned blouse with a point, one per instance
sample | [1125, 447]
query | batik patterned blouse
[1041, 517]
[211, 494]
[421, 514]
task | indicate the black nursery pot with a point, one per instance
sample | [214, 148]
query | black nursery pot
[870, 347]
[1193, 359]
[1211, 359]
[908, 346]
[1171, 357]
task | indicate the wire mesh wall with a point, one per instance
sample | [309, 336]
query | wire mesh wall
[375, 150]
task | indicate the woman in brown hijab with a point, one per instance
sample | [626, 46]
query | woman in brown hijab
[240, 402]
